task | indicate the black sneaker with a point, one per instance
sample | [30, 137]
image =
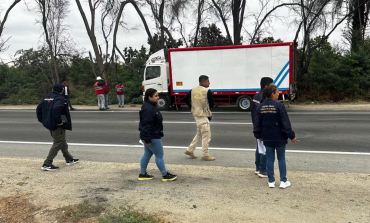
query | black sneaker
[49, 168]
[145, 176]
[169, 177]
[263, 174]
[72, 161]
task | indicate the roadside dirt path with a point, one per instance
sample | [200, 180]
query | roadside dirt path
[201, 194]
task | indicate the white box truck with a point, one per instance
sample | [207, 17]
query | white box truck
[234, 72]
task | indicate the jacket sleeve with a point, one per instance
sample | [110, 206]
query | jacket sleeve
[210, 99]
[258, 124]
[254, 105]
[147, 122]
[57, 111]
[187, 98]
[287, 127]
[39, 111]
[116, 88]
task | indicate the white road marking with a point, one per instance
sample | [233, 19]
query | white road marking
[184, 147]
[220, 123]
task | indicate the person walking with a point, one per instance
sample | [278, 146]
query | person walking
[99, 92]
[151, 132]
[201, 105]
[66, 93]
[273, 127]
[53, 113]
[106, 93]
[260, 159]
[120, 90]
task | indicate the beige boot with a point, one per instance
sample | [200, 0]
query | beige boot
[191, 154]
[208, 158]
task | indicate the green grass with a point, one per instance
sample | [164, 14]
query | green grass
[75, 213]
[128, 215]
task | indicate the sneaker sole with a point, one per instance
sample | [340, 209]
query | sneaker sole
[172, 179]
[262, 176]
[284, 187]
[256, 172]
[143, 179]
[70, 164]
[45, 169]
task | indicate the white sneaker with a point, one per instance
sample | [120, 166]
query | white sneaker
[272, 185]
[256, 172]
[285, 184]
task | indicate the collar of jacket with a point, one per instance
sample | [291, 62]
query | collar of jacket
[152, 103]
[56, 92]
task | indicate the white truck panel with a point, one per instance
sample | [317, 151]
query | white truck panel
[231, 69]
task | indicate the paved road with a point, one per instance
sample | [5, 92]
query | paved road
[318, 131]
[231, 130]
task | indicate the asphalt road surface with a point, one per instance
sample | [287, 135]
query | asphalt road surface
[231, 135]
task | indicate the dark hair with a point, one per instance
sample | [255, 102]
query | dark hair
[267, 92]
[266, 81]
[149, 93]
[203, 78]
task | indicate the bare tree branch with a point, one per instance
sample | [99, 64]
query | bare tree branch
[2, 25]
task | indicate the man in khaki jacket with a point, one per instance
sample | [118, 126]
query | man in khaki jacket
[201, 104]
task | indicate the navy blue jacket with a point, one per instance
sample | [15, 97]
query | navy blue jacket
[50, 111]
[272, 124]
[257, 100]
[151, 122]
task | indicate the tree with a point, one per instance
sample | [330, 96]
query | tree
[211, 36]
[267, 40]
[3, 46]
[53, 12]
[90, 29]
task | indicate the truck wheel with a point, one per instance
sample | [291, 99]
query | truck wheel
[162, 103]
[244, 103]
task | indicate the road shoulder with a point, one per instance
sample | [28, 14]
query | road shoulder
[201, 194]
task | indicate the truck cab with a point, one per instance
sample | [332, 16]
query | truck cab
[156, 76]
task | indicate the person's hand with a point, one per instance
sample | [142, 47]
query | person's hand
[61, 123]
[148, 144]
[294, 140]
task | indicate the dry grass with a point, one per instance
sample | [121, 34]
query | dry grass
[16, 209]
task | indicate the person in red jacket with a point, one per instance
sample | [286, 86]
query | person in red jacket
[120, 90]
[99, 92]
[106, 92]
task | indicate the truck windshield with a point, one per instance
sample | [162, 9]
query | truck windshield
[152, 72]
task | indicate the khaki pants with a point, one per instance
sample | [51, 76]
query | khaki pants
[204, 133]
[60, 143]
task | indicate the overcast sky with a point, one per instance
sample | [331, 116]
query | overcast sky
[25, 33]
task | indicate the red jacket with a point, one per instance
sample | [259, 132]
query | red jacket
[98, 88]
[106, 88]
[120, 90]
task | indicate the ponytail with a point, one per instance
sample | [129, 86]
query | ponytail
[268, 91]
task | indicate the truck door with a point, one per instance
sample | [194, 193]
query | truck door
[153, 79]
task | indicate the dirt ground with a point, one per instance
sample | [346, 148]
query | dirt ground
[201, 194]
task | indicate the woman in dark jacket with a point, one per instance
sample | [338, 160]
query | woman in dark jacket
[272, 126]
[151, 132]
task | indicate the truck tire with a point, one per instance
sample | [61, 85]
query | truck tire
[244, 103]
[163, 103]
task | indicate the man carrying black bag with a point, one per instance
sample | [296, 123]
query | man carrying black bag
[53, 113]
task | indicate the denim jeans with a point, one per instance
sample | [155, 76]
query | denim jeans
[260, 162]
[270, 153]
[106, 100]
[155, 148]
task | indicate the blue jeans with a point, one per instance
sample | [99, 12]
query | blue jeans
[260, 162]
[155, 148]
[270, 153]
[106, 100]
